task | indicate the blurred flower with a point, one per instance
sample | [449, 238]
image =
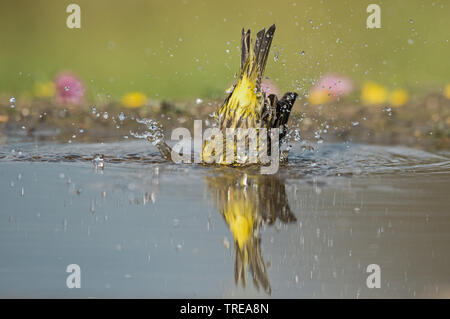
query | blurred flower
[329, 88]
[44, 89]
[4, 118]
[134, 99]
[335, 84]
[269, 87]
[398, 97]
[373, 93]
[447, 91]
[69, 89]
[318, 96]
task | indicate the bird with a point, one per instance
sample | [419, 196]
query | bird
[247, 106]
[247, 202]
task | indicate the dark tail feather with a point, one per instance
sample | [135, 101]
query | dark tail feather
[245, 47]
[262, 48]
[264, 53]
[258, 268]
[240, 267]
[283, 111]
[258, 45]
[256, 264]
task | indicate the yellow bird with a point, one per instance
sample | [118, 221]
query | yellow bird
[247, 106]
[246, 203]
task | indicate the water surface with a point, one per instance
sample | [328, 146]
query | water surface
[140, 227]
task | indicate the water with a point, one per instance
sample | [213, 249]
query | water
[141, 227]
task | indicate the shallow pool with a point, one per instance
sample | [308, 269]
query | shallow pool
[139, 227]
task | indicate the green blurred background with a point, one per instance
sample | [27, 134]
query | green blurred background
[183, 49]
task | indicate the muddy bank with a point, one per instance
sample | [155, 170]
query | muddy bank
[422, 123]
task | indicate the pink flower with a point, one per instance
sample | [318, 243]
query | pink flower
[69, 89]
[269, 87]
[335, 85]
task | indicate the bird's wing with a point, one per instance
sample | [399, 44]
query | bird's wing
[283, 110]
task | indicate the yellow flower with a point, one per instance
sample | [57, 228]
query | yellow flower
[447, 91]
[44, 89]
[398, 97]
[373, 93]
[318, 96]
[134, 99]
[4, 118]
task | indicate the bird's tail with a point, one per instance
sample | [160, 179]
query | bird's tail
[250, 255]
[254, 63]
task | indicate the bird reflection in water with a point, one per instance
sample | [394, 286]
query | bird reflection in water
[247, 201]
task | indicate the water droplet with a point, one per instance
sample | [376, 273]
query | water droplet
[198, 101]
[230, 90]
[105, 115]
[67, 88]
[226, 243]
[297, 136]
[12, 100]
[122, 116]
[275, 56]
[98, 162]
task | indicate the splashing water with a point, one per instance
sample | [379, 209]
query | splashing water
[12, 100]
[99, 162]
[155, 133]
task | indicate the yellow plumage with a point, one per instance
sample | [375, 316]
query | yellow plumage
[246, 202]
[243, 108]
[246, 107]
